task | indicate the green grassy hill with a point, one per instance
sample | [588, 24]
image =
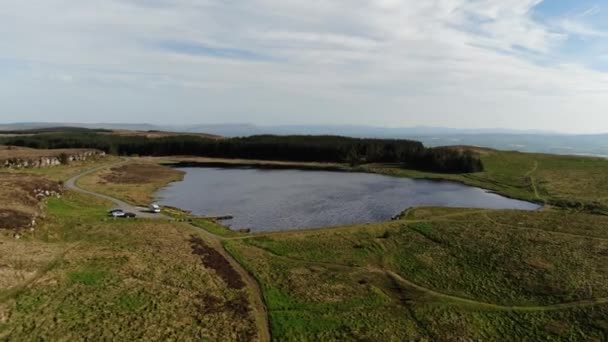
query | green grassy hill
[445, 276]
[574, 182]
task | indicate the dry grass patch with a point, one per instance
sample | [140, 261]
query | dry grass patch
[135, 182]
[20, 261]
[136, 174]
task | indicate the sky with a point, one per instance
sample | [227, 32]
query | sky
[518, 64]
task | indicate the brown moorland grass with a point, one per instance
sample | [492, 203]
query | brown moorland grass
[20, 198]
[134, 182]
[82, 276]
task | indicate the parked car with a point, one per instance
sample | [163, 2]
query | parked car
[154, 208]
[129, 215]
[117, 213]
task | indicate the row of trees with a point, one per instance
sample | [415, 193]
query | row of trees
[411, 154]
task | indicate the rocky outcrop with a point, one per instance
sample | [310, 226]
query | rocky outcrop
[22, 198]
[60, 158]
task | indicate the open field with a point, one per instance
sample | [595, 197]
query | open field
[81, 276]
[134, 182]
[438, 277]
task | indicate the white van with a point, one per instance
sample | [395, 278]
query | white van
[154, 208]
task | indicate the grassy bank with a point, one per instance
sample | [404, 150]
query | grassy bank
[437, 276]
[574, 182]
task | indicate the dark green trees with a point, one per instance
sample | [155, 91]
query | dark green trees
[411, 154]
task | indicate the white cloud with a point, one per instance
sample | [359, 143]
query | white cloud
[385, 62]
[579, 28]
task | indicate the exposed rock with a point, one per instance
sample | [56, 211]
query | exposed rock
[48, 161]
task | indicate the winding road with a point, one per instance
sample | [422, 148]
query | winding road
[256, 298]
[72, 184]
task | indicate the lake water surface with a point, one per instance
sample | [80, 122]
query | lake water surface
[291, 199]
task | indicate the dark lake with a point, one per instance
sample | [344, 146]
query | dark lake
[291, 199]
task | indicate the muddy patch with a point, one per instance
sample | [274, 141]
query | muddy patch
[214, 260]
[13, 219]
[211, 305]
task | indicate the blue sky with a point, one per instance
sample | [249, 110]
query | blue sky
[587, 41]
[526, 64]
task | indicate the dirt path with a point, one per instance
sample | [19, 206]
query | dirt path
[529, 175]
[214, 241]
[579, 236]
[475, 303]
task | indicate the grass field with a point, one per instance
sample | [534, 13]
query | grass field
[82, 276]
[437, 276]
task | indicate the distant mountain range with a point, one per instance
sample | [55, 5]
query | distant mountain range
[504, 139]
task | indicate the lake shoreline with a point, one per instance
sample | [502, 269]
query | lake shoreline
[287, 198]
[314, 166]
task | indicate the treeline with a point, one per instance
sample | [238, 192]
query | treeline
[410, 154]
[58, 129]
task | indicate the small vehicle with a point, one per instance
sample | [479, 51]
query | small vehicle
[129, 215]
[154, 208]
[112, 211]
[117, 213]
